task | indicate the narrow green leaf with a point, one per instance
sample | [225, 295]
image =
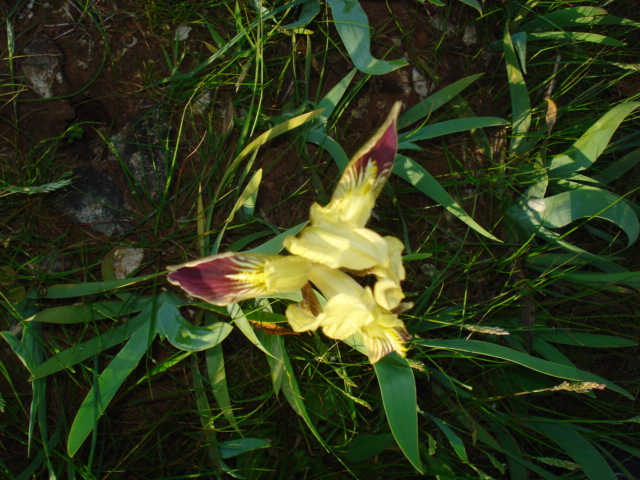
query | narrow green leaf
[417, 176]
[330, 100]
[567, 17]
[108, 383]
[218, 380]
[582, 451]
[455, 441]
[618, 168]
[233, 448]
[575, 37]
[448, 127]
[537, 364]
[84, 350]
[90, 312]
[586, 150]
[90, 288]
[353, 27]
[582, 339]
[310, 8]
[331, 146]
[364, 447]
[474, 4]
[520, 104]
[424, 108]
[398, 389]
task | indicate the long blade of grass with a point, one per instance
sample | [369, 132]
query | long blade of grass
[586, 150]
[417, 176]
[565, 18]
[575, 37]
[581, 450]
[90, 288]
[398, 389]
[520, 103]
[430, 104]
[91, 311]
[353, 27]
[618, 168]
[447, 128]
[218, 380]
[108, 383]
[331, 146]
[537, 364]
[582, 339]
[330, 100]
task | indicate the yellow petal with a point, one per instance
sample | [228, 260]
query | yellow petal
[343, 316]
[301, 319]
[388, 294]
[339, 246]
[286, 274]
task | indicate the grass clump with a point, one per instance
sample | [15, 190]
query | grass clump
[513, 192]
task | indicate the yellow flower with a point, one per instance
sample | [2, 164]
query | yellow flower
[231, 277]
[350, 309]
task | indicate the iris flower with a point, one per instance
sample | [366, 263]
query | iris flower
[335, 244]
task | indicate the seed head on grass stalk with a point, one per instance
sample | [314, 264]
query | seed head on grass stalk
[335, 242]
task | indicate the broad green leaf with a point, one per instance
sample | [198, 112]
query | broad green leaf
[353, 27]
[106, 386]
[519, 41]
[586, 150]
[520, 104]
[424, 108]
[233, 448]
[582, 339]
[398, 389]
[537, 364]
[365, 446]
[84, 350]
[564, 208]
[629, 279]
[180, 333]
[575, 37]
[582, 451]
[417, 176]
[448, 127]
[310, 8]
[474, 4]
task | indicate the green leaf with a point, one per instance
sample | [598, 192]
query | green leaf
[180, 333]
[455, 441]
[330, 101]
[365, 446]
[91, 311]
[218, 380]
[89, 288]
[581, 339]
[81, 351]
[310, 8]
[560, 210]
[274, 245]
[430, 104]
[520, 104]
[398, 389]
[474, 4]
[582, 451]
[575, 37]
[106, 386]
[353, 27]
[537, 364]
[568, 17]
[417, 176]
[448, 127]
[586, 150]
[331, 146]
[233, 448]
[618, 168]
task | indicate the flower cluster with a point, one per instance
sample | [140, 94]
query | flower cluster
[335, 242]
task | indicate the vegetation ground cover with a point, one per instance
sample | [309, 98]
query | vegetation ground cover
[514, 192]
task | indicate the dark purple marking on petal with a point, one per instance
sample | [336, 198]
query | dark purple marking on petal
[219, 279]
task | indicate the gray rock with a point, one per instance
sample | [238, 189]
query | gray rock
[42, 64]
[143, 151]
[94, 200]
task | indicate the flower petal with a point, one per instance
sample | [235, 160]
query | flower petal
[369, 169]
[339, 246]
[230, 277]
